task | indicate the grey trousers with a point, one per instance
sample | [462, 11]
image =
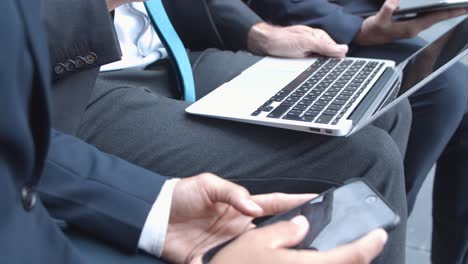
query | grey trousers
[133, 114]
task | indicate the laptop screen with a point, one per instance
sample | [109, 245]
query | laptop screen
[435, 55]
[421, 67]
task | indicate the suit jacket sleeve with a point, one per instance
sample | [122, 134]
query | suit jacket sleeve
[222, 24]
[81, 38]
[77, 29]
[233, 20]
[330, 17]
[97, 193]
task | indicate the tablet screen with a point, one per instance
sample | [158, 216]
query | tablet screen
[409, 9]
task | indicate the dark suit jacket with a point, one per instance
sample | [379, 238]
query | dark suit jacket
[335, 18]
[201, 24]
[97, 193]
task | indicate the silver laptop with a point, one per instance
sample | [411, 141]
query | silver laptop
[329, 96]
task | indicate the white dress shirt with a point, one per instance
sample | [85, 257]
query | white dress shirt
[154, 230]
[140, 47]
[138, 40]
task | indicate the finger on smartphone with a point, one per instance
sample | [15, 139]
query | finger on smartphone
[284, 234]
[276, 203]
[223, 191]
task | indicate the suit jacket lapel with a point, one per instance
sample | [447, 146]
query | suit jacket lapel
[32, 12]
[37, 42]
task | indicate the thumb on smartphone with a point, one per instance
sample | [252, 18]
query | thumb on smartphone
[361, 251]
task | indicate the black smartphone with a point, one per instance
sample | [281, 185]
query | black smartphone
[337, 217]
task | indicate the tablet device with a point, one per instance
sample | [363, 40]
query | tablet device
[413, 10]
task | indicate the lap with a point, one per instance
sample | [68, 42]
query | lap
[155, 132]
[152, 130]
[213, 67]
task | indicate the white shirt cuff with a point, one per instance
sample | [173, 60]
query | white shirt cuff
[154, 230]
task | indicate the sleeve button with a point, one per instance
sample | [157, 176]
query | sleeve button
[80, 61]
[59, 68]
[91, 58]
[28, 196]
[69, 65]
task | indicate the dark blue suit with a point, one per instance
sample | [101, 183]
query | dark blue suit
[335, 18]
[440, 121]
[45, 175]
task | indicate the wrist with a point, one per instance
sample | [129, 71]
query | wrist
[367, 34]
[112, 4]
[259, 37]
[358, 38]
[156, 227]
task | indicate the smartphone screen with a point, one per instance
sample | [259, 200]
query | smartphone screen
[342, 215]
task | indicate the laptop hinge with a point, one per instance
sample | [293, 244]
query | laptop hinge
[364, 105]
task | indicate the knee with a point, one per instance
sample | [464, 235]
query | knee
[397, 123]
[456, 84]
[447, 93]
[384, 162]
[404, 119]
[404, 115]
[385, 152]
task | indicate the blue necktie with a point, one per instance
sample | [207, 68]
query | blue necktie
[174, 46]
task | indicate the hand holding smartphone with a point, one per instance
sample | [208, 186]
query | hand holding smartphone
[412, 10]
[337, 217]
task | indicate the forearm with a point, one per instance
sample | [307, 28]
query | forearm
[233, 20]
[332, 18]
[98, 193]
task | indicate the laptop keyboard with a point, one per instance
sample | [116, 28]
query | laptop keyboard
[324, 92]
